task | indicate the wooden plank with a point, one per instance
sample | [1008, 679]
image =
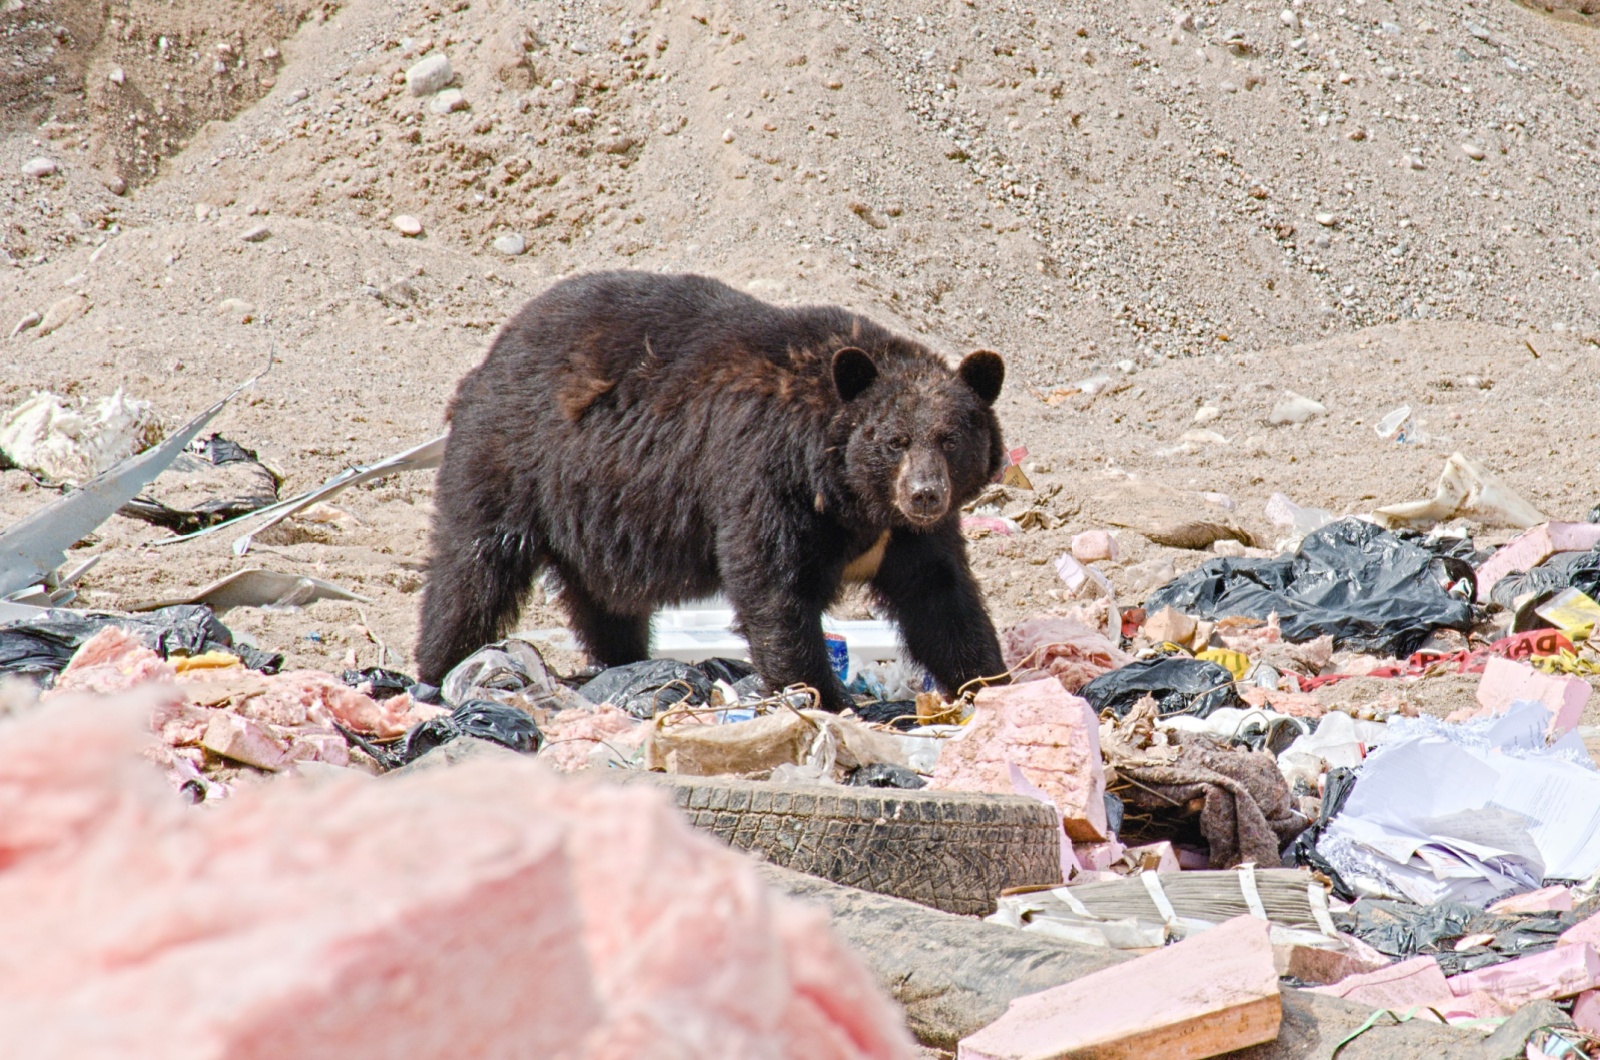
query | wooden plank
[1208, 995]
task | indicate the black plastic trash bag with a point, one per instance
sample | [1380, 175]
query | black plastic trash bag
[1368, 588]
[480, 718]
[884, 775]
[643, 689]
[1303, 851]
[896, 713]
[1180, 684]
[229, 477]
[39, 648]
[1401, 930]
[730, 671]
[1564, 570]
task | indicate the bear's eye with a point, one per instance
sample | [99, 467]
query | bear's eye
[948, 445]
[900, 441]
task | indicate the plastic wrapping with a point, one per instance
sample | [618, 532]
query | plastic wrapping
[1564, 570]
[885, 775]
[1180, 685]
[644, 689]
[507, 671]
[1401, 929]
[1371, 590]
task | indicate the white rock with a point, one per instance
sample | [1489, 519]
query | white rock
[255, 233]
[1184, 23]
[1293, 408]
[1474, 152]
[237, 309]
[727, 136]
[451, 99]
[61, 313]
[117, 77]
[1289, 19]
[28, 321]
[407, 225]
[38, 167]
[429, 75]
[510, 244]
[1326, 220]
[1203, 437]
[1206, 413]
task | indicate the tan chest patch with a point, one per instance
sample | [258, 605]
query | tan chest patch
[865, 566]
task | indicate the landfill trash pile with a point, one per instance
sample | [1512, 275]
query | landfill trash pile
[1198, 767]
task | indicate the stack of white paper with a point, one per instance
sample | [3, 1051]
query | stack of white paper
[1468, 812]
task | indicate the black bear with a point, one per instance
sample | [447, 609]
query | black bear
[656, 438]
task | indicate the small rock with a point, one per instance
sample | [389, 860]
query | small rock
[398, 293]
[62, 313]
[38, 167]
[1203, 437]
[297, 95]
[255, 233]
[1295, 409]
[1229, 87]
[1093, 546]
[451, 99]
[1206, 413]
[117, 77]
[429, 75]
[1184, 23]
[1414, 162]
[116, 185]
[510, 244]
[201, 211]
[407, 225]
[1326, 220]
[1388, 73]
[28, 321]
[237, 309]
[1289, 19]
[727, 136]
[1474, 152]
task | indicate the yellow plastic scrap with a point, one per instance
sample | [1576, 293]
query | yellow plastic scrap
[1235, 662]
[1573, 613]
[1565, 662]
[211, 660]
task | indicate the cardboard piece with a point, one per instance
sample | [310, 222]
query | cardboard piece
[1212, 993]
[1544, 900]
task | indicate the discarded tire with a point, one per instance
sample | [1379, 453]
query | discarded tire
[953, 851]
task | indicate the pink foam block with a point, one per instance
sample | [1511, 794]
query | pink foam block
[1586, 1011]
[1505, 682]
[1051, 735]
[1544, 900]
[1210, 994]
[1528, 550]
[490, 909]
[1561, 972]
[1586, 931]
[1417, 981]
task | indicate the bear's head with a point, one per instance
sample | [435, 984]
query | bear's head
[922, 440]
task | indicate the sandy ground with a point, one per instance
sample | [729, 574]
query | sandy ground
[1367, 203]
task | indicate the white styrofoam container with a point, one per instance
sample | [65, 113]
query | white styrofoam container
[698, 631]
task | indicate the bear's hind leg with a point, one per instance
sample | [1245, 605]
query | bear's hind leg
[609, 638]
[476, 587]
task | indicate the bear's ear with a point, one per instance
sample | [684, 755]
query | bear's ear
[853, 372]
[983, 371]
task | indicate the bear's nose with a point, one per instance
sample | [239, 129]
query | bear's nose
[927, 498]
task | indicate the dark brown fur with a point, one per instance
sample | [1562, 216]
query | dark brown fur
[657, 438]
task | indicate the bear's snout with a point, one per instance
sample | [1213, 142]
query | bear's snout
[922, 488]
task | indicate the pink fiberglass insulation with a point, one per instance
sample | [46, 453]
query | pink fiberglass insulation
[294, 712]
[1063, 648]
[492, 909]
[1050, 735]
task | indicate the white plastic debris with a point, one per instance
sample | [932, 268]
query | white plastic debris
[71, 445]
